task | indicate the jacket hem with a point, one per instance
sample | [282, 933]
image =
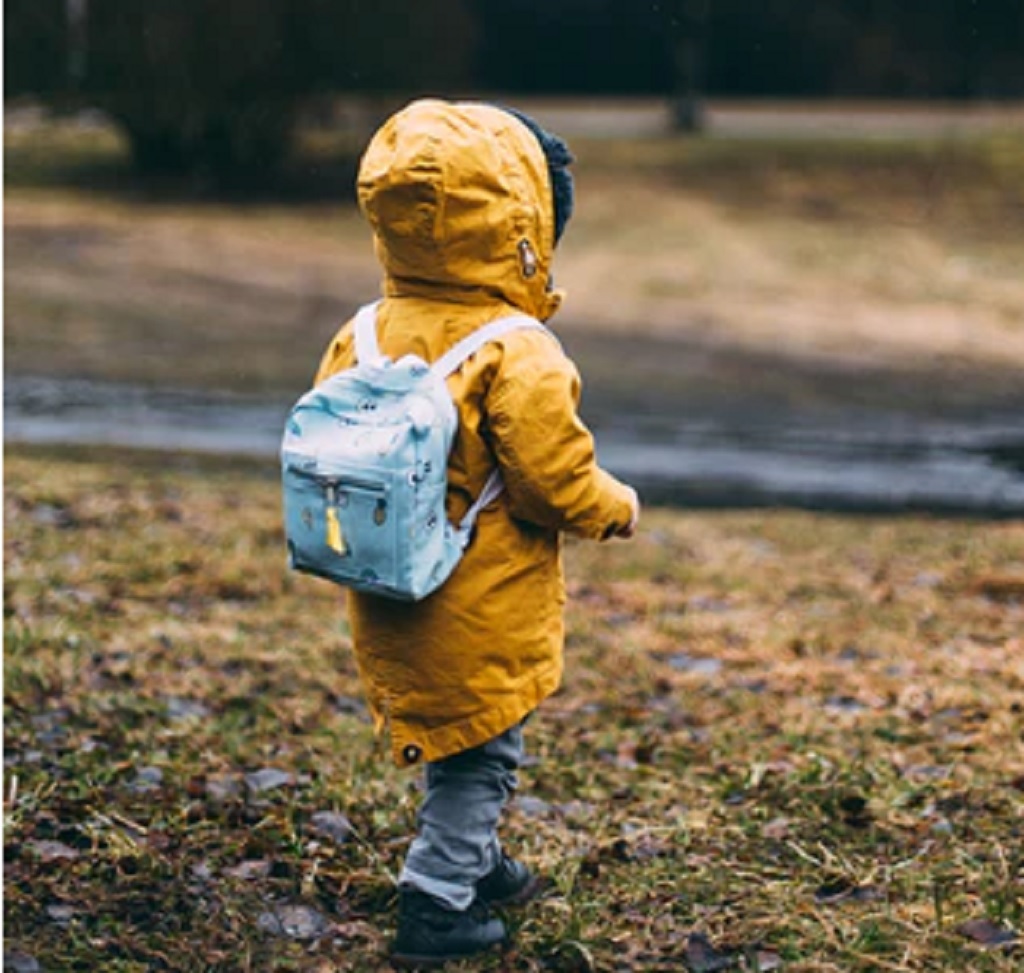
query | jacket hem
[410, 748]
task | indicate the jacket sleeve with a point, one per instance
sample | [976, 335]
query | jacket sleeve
[545, 452]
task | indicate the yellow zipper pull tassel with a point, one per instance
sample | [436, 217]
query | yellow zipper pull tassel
[335, 538]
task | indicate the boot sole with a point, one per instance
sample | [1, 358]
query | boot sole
[412, 961]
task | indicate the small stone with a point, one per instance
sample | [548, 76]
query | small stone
[186, 709]
[296, 922]
[708, 603]
[682, 662]
[331, 824]
[702, 957]
[267, 779]
[777, 829]
[147, 779]
[21, 963]
[532, 807]
[988, 933]
[202, 872]
[223, 788]
[50, 515]
[844, 704]
[49, 851]
[927, 772]
[249, 870]
[60, 913]
[349, 706]
[576, 810]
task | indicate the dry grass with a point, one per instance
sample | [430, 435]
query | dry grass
[860, 251]
[797, 736]
[886, 253]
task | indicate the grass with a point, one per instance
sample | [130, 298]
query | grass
[896, 253]
[796, 736]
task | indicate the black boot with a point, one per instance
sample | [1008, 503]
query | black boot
[508, 883]
[429, 934]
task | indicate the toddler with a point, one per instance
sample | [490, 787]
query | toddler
[467, 203]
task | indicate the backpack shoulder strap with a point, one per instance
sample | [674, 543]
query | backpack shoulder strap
[365, 329]
[471, 344]
[448, 363]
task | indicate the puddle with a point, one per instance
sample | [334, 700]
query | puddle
[884, 462]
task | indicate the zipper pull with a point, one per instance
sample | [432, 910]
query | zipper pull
[335, 538]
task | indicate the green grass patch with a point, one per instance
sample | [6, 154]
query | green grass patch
[796, 736]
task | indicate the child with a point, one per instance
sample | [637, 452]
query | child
[467, 202]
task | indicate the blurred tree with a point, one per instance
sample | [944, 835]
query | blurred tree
[686, 27]
[942, 48]
[197, 85]
[35, 47]
[573, 46]
[215, 87]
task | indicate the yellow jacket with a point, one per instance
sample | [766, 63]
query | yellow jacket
[459, 199]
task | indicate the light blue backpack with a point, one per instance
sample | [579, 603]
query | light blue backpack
[364, 466]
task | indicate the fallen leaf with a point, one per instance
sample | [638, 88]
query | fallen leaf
[988, 933]
[833, 893]
[268, 779]
[1008, 588]
[856, 812]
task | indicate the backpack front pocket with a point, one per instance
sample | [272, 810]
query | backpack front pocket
[342, 527]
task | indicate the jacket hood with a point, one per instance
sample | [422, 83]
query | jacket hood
[460, 202]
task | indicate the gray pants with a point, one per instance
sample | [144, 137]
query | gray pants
[457, 843]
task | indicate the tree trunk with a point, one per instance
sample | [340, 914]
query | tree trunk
[687, 32]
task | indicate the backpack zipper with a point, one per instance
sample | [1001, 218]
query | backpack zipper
[328, 480]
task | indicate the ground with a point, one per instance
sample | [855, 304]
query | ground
[785, 740]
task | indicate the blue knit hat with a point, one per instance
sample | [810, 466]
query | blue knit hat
[559, 158]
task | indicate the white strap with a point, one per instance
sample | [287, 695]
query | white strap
[368, 350]
[491, 491]
[365, 327]
[472, 343]
[447, 364]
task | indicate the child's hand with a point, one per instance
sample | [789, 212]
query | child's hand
[630, 529]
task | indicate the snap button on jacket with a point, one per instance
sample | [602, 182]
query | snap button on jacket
[455, 194]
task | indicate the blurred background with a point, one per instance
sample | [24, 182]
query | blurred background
[795, 274]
